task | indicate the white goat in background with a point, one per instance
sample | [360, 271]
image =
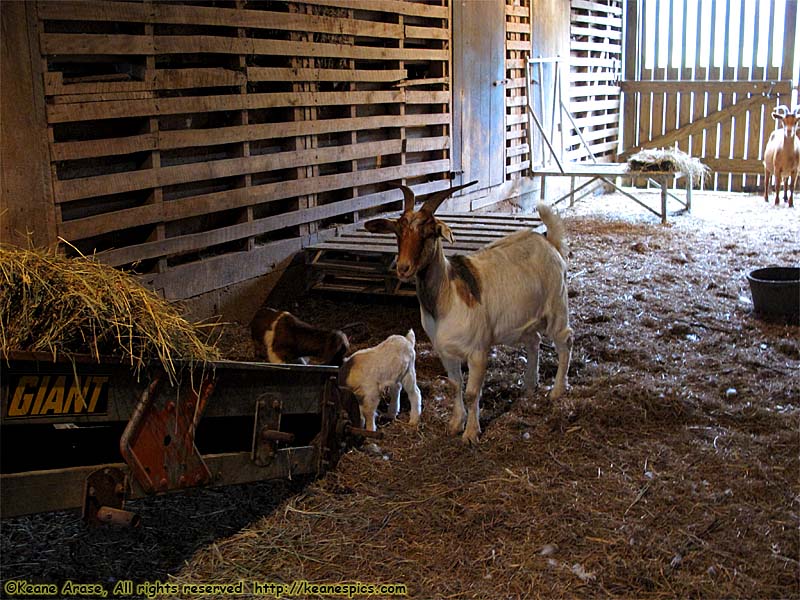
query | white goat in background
[782, 156]
[389, 365]
[510, 291]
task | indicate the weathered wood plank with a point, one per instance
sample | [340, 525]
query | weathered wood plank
[597, 7]
[170, 106]
[197, 78]
[73, 43]
[103, 147]
[739, 87]
[402, 7]
[180, 44]
[69, 10]
[265, 19]
[54, 85]
[297, 74]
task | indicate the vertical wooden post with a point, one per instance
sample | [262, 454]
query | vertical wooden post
[27, 211]
[244, 119]
[633, 56]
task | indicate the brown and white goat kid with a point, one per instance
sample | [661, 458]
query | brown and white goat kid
[782, 156]
[280, 337]
[508, 292]
[389, 365]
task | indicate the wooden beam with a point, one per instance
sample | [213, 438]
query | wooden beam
[712, 87]
[84, 111]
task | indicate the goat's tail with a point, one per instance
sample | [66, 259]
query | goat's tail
[411, 337]
[556, 232]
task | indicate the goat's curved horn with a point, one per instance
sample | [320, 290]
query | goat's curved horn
[435, 200]
[409, 197]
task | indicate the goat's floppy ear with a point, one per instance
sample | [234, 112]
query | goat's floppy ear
[443, 231]
[381, 226]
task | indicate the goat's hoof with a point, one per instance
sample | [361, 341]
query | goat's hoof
[455, 427]
[414, 421]
[470, 438]
[557, 392]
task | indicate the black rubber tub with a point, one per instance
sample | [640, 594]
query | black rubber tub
[776, 293]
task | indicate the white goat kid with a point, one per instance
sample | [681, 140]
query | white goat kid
[508, 292]
[782, 156]
[389, 365]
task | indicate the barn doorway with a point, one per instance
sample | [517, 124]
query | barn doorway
[705, 75]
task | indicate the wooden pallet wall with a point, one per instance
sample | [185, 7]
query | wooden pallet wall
[595, 69]
[203, 142]
[518, 49]
[716, 110]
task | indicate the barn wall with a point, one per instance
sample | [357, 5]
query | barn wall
[203, 143]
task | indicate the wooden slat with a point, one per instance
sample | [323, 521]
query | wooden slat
[168, 79]
[180, 44]
[597, 7]
[713, 87]
[281, 74]
[171, 106]
[103, 147]
[73, 43]
[264, 19]
[402, 7]
[68, 10]
[611, 34]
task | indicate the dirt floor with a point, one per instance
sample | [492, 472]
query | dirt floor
[669, 470]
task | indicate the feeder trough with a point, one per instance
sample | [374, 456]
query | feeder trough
[776, 293]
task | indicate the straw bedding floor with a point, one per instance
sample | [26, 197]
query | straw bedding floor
[669, 470]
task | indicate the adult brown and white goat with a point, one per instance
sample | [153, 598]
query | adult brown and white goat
[280, 337]
[389, 365]
[510, 291]
[782, 156]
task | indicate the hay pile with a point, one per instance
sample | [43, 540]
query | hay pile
[58, 305]
[670, 160]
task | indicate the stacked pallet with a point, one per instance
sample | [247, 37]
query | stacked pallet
[518, 49]
[596, 64]
[202, 143]
[357, 261]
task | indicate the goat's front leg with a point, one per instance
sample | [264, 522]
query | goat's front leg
[368, 405]
[778, 184]
[794, 187]
[453, 366]
[477, 371]
[414, 395]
